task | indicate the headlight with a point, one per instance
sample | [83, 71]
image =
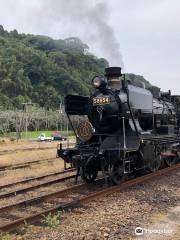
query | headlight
[99, 82]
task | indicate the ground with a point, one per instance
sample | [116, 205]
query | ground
[16, 153]
[153, 206]
[12, 153]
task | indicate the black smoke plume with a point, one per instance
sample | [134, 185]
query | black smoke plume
[90, 18]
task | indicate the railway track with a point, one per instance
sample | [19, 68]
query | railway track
[2, 152]
[25, 165]
[25, 149]
[29, 163]
[5, 193]
[11, 217]
[34, 178]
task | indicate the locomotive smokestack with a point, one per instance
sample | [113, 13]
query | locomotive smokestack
[113, 75]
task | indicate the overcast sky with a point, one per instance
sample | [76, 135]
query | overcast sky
[147, 31]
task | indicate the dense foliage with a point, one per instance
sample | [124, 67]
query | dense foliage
[41, 70]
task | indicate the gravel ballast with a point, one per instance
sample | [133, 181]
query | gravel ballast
[153, 206]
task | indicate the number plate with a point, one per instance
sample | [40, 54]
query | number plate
[101, 100]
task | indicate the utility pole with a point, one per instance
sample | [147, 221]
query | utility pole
[61, 114]
[26, 110]
[67, 132]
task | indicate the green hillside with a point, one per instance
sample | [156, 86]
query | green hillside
[43, 70]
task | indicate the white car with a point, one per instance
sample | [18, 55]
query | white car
[43, 138]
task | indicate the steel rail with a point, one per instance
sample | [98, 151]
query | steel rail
[36, 186]
[3, 152]
[42, 198]
[25, 164]
[24, 149]
[85, 199]
[36, 178]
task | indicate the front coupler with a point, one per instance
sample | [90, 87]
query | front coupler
[66, 155]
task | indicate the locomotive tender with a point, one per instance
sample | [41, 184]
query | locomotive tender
[124, 129]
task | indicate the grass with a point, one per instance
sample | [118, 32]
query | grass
[35, 134]
[5, 236]
[52, 220]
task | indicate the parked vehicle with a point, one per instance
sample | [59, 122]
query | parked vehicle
[42, 138]
[59, 137]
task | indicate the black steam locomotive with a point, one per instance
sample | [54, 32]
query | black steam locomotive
[123, 129]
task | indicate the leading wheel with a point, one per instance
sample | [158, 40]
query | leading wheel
[117, 173]
[88, 174]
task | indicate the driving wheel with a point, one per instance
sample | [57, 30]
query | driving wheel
[170, 161]
[117, 173]
[155, 165]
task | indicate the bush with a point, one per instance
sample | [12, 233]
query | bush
[12, 139]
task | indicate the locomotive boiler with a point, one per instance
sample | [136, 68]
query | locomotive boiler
[123, 129]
